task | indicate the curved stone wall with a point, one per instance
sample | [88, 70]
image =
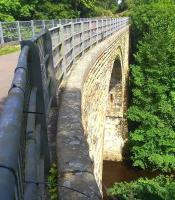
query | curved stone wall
[104, 135]
[82, 116]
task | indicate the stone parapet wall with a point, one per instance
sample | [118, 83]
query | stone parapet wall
[81, 121]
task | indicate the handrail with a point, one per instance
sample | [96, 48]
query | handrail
[24, 153]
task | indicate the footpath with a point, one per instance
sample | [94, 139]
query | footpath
[7, 66]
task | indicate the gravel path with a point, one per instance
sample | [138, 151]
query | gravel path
[7, 66]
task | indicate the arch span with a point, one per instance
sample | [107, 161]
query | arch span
[115, 135]
[84, 107]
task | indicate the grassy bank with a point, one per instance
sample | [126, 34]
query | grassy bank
[9, 49]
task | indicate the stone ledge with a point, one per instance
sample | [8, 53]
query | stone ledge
[80, 181]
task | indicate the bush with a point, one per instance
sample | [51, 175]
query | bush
[159, 188]
[151, 114]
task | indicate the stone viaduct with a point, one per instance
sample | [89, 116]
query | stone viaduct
[91, 125]
[85, 64]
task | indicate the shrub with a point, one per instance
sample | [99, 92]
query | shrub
[151, 114]
[159, 188]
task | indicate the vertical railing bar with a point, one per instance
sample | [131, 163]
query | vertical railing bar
[43, 24]
[33, 28]
[19, 30]
[72, 40]
[97, 31]
[53, 23]
[82, 37]
[63, 48]
[1, 33]
[90, 33]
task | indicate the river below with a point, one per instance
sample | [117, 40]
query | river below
[120, 171]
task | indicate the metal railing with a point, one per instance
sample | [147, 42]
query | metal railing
[23, 30]
[24, 153]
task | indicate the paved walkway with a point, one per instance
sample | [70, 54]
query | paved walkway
[7, 66]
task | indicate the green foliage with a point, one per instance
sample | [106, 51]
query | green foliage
[52, 183]
[159, 188]
[11, 10]
[151, 114]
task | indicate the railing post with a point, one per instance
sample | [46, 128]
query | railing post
[73, 41]
[1, 34]
[97, 31]
[63, 49]
[19, 31]
[33, 28]
[110, 26]
[82, 37]
[102, 34]
[107, 27]
[53, 23]
[90, 31]
[43, 24]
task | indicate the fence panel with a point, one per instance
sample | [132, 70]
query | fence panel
[23, 30]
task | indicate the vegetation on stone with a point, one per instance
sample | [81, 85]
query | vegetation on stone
[159, 188]
[52, 183]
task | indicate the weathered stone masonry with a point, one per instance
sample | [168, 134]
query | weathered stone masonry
[87, 105]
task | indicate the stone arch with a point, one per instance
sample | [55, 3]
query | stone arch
[94, 101]
[114, 135]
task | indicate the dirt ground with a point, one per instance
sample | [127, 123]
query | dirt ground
[7, 66]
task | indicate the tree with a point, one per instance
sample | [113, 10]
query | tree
[50, 9]
[151, 113]
[9, 10]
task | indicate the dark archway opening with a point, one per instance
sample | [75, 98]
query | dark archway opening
[113, 134]
[114, 108]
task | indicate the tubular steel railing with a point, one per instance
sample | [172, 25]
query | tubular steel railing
[24, 153]
[24, 30]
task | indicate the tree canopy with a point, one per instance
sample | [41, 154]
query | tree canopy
[151, 113]
[53, 9]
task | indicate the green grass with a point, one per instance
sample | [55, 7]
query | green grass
[9, 49]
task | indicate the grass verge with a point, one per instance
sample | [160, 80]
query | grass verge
[9, 49]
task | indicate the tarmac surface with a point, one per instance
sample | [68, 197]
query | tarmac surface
[7, 66]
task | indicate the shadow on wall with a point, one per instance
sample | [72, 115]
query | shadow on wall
[74, 164]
